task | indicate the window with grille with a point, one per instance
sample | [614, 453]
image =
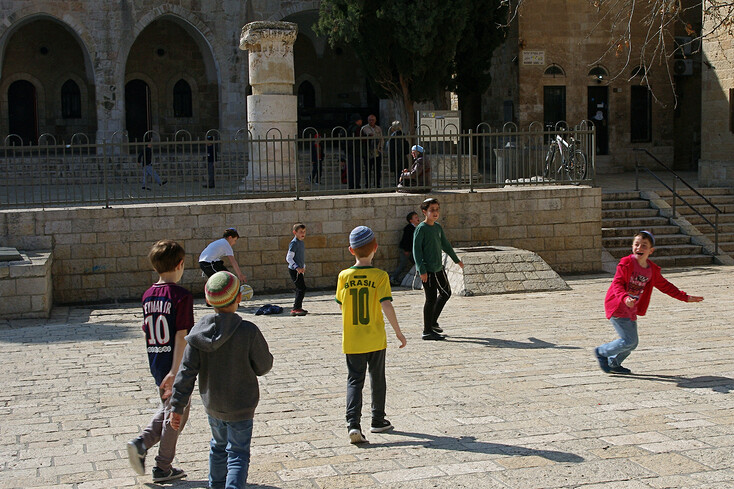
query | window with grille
[71, 100]
[182, 99]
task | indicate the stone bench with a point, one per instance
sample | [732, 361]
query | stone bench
[26, 288]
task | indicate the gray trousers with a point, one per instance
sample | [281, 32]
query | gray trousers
[357, 366]
[159, 430]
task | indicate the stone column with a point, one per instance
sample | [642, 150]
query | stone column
[272, 109]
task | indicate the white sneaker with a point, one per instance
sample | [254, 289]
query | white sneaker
[356, 436]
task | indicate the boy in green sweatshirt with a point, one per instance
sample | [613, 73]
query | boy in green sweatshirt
[429, 241]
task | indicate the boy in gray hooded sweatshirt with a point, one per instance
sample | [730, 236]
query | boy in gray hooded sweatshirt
[228, 354]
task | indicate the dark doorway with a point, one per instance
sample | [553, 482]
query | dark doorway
[554, 104]
[598, 113]
[137, 109]
[306, 96]
[22, 114]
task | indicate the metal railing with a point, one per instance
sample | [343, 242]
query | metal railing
[676, 195]
[183, 169]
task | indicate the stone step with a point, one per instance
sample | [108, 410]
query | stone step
[688, 212]
[725, 208]
[625, 213]
[662, 250]
[660, 240]
[707, 191]
[610, 196]
[625, 204]
[704, 227]
[628, 232]
[639, 223]
[670, 261]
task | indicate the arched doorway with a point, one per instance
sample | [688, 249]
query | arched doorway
[137, 109]
[49, 53]
[22, 111]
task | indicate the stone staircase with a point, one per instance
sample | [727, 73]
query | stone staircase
[626, 213]
[723, 198]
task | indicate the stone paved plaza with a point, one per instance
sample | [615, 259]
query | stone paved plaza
[514, 399]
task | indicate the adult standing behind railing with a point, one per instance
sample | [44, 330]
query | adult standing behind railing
[354, 154]
[373, 148]
[419, 175]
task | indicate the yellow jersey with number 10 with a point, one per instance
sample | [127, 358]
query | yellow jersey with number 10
[360, 290]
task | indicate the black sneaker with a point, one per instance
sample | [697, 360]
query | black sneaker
[356, 436]
[437, 328]
[381, 426]
[160, 475]
[603, 361]
[433, 336]
[620, 370]
[164, 182]
[136, 452]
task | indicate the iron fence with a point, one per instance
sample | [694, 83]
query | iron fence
[183, 169]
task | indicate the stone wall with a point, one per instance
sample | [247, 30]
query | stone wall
[101, 254]
[25, 286]
[716, 166]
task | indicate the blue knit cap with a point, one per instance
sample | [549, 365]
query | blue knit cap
[360, 236]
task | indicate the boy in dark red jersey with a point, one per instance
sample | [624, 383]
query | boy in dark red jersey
[168, 315]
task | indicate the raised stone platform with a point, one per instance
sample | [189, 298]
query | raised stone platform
[25, 285]
[500, 270]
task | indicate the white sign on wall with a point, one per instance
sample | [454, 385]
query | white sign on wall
[533, 58]
[442, 122]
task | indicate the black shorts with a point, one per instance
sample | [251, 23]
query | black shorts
[210, 268]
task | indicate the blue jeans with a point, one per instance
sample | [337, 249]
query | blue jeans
[148, 171]
[616, 351]
[229, 453]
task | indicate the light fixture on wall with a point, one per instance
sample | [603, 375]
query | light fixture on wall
[598, 73]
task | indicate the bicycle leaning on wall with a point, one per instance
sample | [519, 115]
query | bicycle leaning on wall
[565, 157]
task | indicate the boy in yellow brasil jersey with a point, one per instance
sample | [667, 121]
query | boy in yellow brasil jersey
[363, 293]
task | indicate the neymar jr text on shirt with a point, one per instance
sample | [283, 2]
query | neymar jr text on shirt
[158, 306]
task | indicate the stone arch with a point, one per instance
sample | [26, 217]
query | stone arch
[70, 23]
[192, 24]
[291, 8]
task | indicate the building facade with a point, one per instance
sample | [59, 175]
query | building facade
[102, 67]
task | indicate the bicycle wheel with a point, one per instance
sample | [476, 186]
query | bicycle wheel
[552, 162]
[577, 165]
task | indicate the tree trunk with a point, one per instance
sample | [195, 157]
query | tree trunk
[409, 126]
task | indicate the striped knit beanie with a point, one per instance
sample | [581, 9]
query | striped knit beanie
[221, 289]
[360, 236]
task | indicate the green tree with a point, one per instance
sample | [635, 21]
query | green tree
[407, 47]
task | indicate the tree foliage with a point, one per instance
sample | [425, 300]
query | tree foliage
[408, 47]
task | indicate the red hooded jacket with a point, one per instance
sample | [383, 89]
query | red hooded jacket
[618, 290]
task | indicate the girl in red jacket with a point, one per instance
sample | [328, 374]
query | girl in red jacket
[628, 297]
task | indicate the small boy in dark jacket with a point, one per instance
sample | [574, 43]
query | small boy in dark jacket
[405, 252]
[227, 354]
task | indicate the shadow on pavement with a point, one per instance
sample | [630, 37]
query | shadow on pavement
[70, 332]
[717, 384]
[470, 444]
[191, 484]
[497, 343]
